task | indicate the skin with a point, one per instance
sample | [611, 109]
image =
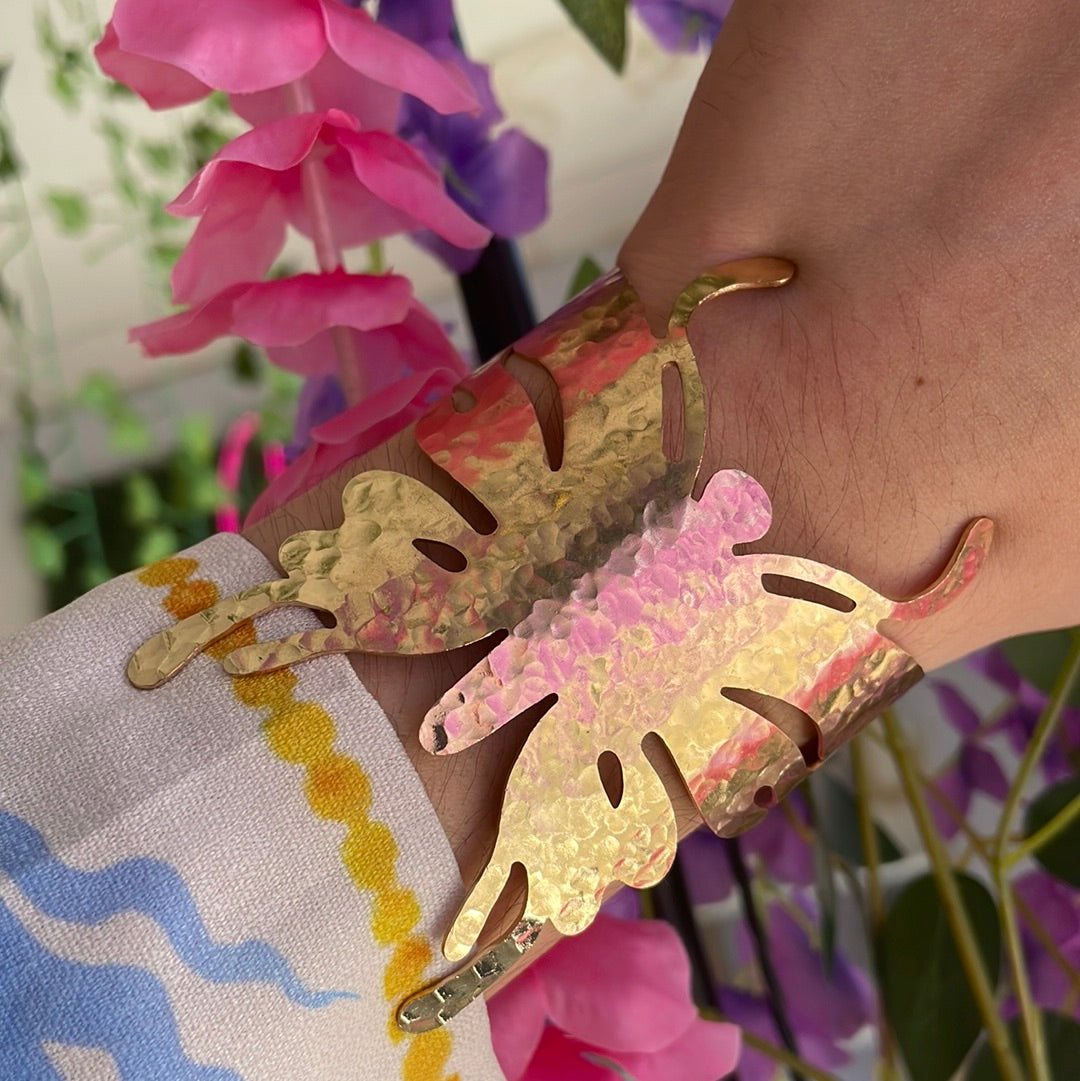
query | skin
[919, 163]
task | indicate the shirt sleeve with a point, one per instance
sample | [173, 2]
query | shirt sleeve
[221, 879]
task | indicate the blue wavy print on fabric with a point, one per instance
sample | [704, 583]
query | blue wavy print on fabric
[123, 1010]
[158, 892]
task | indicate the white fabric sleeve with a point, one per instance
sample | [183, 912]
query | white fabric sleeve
[221, 879]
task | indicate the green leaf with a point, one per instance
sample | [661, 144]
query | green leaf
[100, 395]
[203, 140]
[10, 166]
[165, 254]
[114, 89]
[160, 157]
[93, 574]
[1062, 1035]
[69, 209]
[128, 189]
[142, 502]
[1039, 658]
[588, 270]
[157, 216]
[603, 22]
[65, 88]
[838, 822]
[196, 435]
[926, 997]
[1061, 855]
[45, 551]
[245, 364]
[33, 479]
[128, 434]
[202, 493]
[158, 543]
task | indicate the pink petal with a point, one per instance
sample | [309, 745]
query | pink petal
[398, 175]
[277, 146]
[238, 46]
[241, 232]
[387, 354]
[236, 440]
[353, 433]
[561, 1058]
[227, 519]
[394, 61]
[332, 84]
[160, 85]
[189, 330]
[289, 311]
[517, 1015]
[358, 216]
[640, 964]
[707, 1050]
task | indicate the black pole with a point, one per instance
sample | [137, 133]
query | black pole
[774, 994]
[496, 298]
[672, 900]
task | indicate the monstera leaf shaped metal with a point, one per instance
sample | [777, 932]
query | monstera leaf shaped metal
[627, 607]
[386, 595]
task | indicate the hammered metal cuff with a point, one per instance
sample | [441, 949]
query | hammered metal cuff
[626, 610]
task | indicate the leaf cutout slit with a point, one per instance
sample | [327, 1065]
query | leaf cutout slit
[442, 555]
[795, 723]
[673, 413]
[611, 776]
[659, 756]
[459, 497]
[507, 910]
[781, 585]
[542, 390]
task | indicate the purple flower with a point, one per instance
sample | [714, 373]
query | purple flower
[1020, 717]
[974, 770]
[321, 398]
[824, 1011]
[683, 26]
[782, 849]
[500, 180]
[958, 711]
[1057, 909]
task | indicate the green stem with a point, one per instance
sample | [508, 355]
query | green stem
[1044, 835]
[953, 904]
[1044, 938]
[867, 834]
[785, 1058]
[1030, 1023]
[779, 1054]
[876, 897]
[1059, 697]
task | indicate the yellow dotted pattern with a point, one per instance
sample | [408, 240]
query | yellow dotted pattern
[338, 790]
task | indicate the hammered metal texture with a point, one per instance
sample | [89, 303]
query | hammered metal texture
[386, 596]
[656, 641]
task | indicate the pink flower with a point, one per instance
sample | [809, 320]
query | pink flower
[376, 186]
[175, 51]
[614, 997]
[356, 431]
[284, 312]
